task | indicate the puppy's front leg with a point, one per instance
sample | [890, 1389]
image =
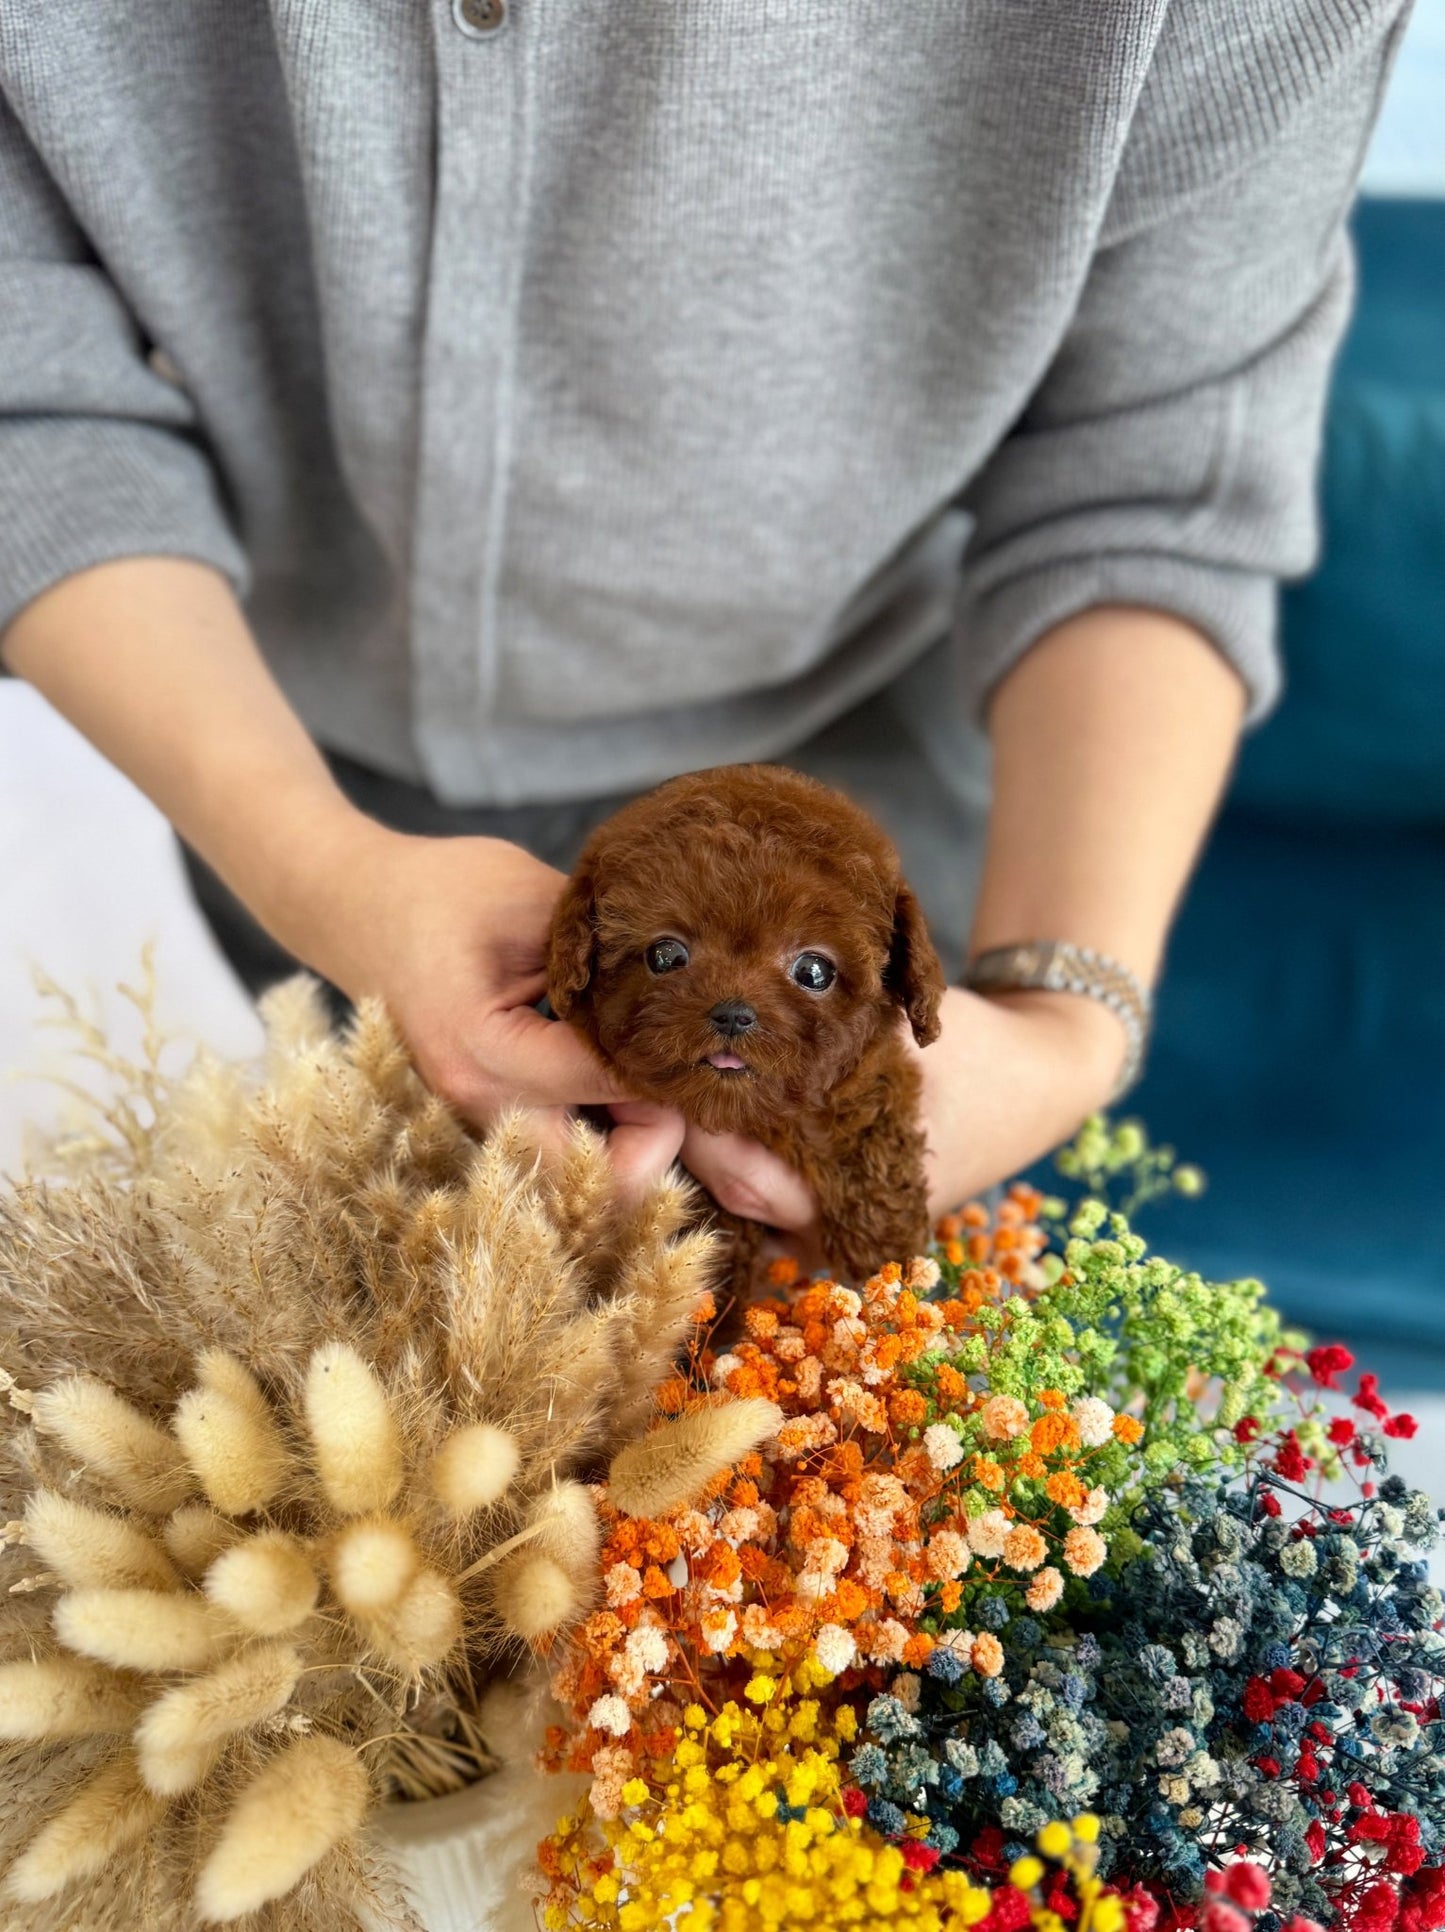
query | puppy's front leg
[872, 1200]
[741, 1275]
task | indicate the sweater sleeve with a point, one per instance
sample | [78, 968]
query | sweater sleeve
[100, 454]
[1167, 458]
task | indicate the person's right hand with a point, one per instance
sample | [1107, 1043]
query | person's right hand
[451, 934]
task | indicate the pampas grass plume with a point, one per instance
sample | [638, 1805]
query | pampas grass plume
[422, 1625]
[63, 1697]
[141, 1629]
[178, 1736]
[474, 1467]
[122, 1449]
[268, 1583]
[371, 1564]
[534, 1596]
[353, 1432]
[91, 1550]
[307, 1799]
[110, 1812]
[195, 1536]
[229, 1437]
[677, 1460]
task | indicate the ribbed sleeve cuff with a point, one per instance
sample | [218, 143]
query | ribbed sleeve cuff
[81, 491]
[1235, 609]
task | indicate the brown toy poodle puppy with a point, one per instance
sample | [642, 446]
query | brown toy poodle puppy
[741, 945]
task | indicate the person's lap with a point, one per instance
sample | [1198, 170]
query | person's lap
[905, 755]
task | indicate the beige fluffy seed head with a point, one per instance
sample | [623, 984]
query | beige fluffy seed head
[310, 1797]
[141, 1629]
[220, 1370]
[195, 1537]
[125, 1452]
[59, 1697]
[420, 1628]
[570, 1528]
[371, 1563]
[230, 1438]
[676, 1461]
[354, 1435]
[267, 1583]
[474, 1467]
[179, 1735]
[89, 1549]
[112, 1811]
[534, 1596]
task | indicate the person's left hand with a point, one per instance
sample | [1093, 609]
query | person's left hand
[1006, 1081]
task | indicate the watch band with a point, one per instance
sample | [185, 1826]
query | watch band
[1059, 966]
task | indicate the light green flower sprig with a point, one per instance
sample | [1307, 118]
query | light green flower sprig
[1104, 1317]
[1189, 1355]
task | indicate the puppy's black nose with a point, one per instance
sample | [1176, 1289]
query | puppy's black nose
[732, 1017]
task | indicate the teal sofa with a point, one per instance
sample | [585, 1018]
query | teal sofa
[1300, 1050]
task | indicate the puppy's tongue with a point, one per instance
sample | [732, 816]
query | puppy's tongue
[725, 1062]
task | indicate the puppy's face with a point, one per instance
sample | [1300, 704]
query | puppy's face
[735, 944]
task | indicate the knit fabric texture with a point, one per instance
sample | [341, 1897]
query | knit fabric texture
[616, 392]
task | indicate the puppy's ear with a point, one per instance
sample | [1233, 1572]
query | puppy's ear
[914, 974]
[570, 944]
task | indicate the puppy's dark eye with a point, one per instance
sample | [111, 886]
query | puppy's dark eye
[666, 956]
[812, 972]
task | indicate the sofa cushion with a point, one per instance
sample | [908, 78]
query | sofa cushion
[1360, 737]
[1300, 1060]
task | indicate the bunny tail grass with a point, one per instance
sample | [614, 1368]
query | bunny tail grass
[195, 1536]
[676, 1461]
[534, 1596]
[122, 1450]
[63, 1697]
[569, 1530]
[308, 1798]
[268, 1583]
[353, 1432]
[229, 1437]
[421, 1626]
[474, 1467]
[89, 1549]
[106, 1816]
[141, 1629]
[175, 1738]
[371, 1563]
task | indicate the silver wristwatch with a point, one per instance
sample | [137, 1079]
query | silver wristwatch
[1058, 966]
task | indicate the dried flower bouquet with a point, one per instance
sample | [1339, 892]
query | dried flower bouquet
[1050, 1530]
[301, 1382]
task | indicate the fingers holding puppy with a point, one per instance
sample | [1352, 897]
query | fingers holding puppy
[747, 1180]
[451, 934]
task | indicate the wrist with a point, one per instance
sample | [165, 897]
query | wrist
[1079, 972]
[309, 867]
[1086, 1040]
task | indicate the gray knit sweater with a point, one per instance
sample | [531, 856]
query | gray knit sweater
[614, 392]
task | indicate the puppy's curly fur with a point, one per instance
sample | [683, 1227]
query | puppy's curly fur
[745, 870]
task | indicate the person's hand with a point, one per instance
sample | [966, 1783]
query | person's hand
[451, 933]
[1007, 1080]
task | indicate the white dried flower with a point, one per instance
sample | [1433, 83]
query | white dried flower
[988, 1533]
[834, 1649]
[1095, 1420]
[610, 1714]
[647, 1645]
